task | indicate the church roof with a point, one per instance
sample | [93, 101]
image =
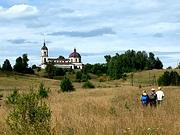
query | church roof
[44, 47]
[75, 54]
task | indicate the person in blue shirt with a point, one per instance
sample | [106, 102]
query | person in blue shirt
[144, 98]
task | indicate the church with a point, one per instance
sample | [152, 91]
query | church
[73, 62]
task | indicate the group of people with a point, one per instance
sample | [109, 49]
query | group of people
[153, 98]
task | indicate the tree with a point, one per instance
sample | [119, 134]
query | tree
[25, 61]
[130, 61]
[34, 66]
[151, 61]
[78, 76]
[169, 78]
[61, 57]
[66, 85]
[21, 64]
[6, 66]
[50, 69]
[18, 67]
[59, 71]
[158, 64]
[29, 116]
[108, 58]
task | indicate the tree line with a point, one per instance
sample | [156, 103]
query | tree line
[131, 61]
[21, 65]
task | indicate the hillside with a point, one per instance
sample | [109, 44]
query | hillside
[113, 107]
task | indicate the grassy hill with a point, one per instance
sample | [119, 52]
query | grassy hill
[113, 107]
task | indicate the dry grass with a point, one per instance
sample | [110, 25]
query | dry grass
[113, 110]
[110, 111]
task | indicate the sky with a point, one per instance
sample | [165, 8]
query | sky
[94, 28]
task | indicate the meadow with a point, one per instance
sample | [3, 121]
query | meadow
[112, 108]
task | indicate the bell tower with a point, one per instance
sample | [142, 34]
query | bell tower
[44, 54]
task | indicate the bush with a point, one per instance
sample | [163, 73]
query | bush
[29, 116]
[66, 85]
[81, 77]
[43, 92]
[13, 98]
[87, 85]
[103, 78]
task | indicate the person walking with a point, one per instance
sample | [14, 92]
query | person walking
[144, 98]
[160, 96]
[152, 98]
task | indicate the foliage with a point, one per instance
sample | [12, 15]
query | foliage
[88, 84]
[34, 66]
[43, 92]
[131, 61]
[21, 65]
[6, 66]
[78, 76]
[50, 69]
[82, 77]
[59, 72]
[169, 78]
[61, 57]
[66, 85]
[13, 98]
[97, 69]
[30, 116]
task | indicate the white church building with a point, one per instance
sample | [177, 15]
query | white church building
[73, 62]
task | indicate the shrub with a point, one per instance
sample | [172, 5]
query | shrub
[29, 116]
[103, 78]
[13, 98]
[43, 92]
[85, 77]
[87, 85]
[66, 85]
[78, 75]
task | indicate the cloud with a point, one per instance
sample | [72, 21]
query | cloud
[91, 33]
[18, 11]
[158, 35]
[21, 41]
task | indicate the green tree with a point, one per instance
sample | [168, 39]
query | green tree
[169, 78]
[21, 64]
[25, 61]
[61, 57]
[6, 66]
[78, 76]
[29, 116]
[108, 58]
[66, 85]
[43, 92]
[158, 64]
[18, 67]
[50, 69]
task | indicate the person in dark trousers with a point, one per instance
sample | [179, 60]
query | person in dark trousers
[152, 98]
[144, 98]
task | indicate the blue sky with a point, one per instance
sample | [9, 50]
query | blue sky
[95, 28]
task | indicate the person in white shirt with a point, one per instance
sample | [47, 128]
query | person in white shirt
[160, 95]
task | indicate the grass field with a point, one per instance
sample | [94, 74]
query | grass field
[113, 108]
